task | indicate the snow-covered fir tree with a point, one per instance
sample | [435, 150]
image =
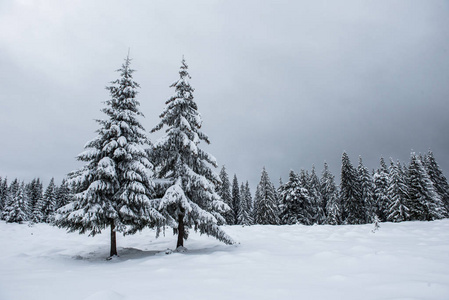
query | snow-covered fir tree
[35, 194]
[265, 199]
[425, 203]
[3, 194]
[244, 217]
[293, 199]
[235, 199]
[191, 200]
[249, 203]
[114, 188]
[46, 204]
[353, 209]
[329, 192]
[17, 208]
[63, 195]
[382, 202]
[438, 179]
[367, 191]
[313, 186]
[308, 215]
[398, 210]
[224, 191]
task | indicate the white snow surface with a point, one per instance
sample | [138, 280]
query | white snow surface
[407, 260]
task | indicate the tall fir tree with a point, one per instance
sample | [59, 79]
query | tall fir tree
[266, 210]
[438, 179]
[329, 192]
[36, 193]
[191, 200]
[308, 215]
[382, 202]
[114, 188]
[249, 203]
[294, 199]
[398, 209]
[46, 205]
[353, 209]
[367, 191]
[63, 195]
[425, 203]
[3, 194]
[313, 186]
[17, 209]
[235, 198]
[224, 191]
[244, 212]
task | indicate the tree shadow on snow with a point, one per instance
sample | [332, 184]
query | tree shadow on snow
[124, 255]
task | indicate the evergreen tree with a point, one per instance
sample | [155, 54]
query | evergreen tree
[244, 212]
[63, 195]
[425, 203]
[398, 210]
[367, 191]
[314, 189]
[191, 200]
[308, 214]
[353, 210]
[382, 202]
[47, 203]
[329, 192]
[293, 201]
[3, 195]
[438, 179]
[35, 193]
[17, 207]
[235, 198]
[114, 188]
[249, 204]
[266, 210]
[224, 191]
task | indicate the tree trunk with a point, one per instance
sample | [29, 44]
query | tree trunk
[181, 231]
[113, 240]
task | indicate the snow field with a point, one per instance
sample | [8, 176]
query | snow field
[407, 260]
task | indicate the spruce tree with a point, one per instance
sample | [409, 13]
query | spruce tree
[329, 192]
[63, 195]
[3, 195]
[353, 209]
[249, 204]
[244, 212]
[308, 214]
[425, 203]
[17, 208]
[382, 202]
[293, 200]
[224, 191]
[398, 210]
[114, 188]
[438, 179]
[313, 186]
[191, 200]
[235, 198]
[266, 210]
[46, 204]
[367, 191]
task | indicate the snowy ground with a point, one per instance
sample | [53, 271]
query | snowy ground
[400, 261]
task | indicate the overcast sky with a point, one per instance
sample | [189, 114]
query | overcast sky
[281, 84]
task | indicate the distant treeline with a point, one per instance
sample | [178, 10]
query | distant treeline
[397, 192]
[416, 191]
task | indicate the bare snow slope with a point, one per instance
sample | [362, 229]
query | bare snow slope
[400, 261]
